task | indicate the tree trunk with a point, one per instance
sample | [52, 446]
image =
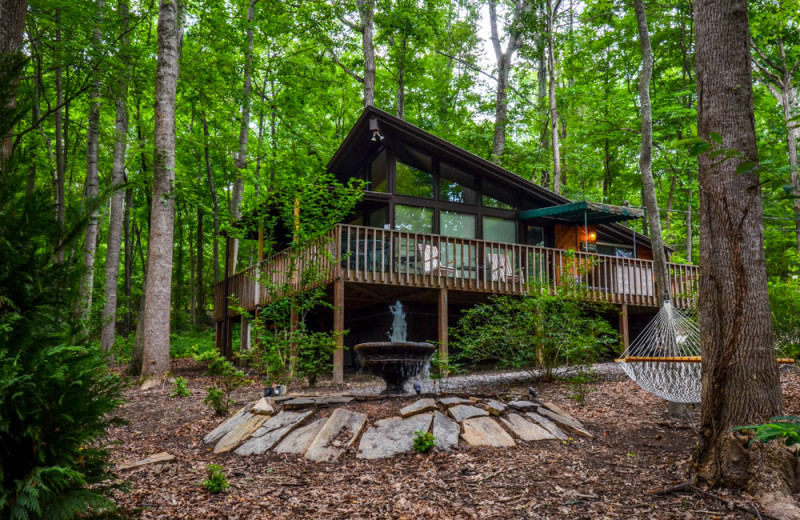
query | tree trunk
[155, 357]
[670, 200]
[740, 375]
[552, 10]
[689, 225]
[92, 187]
[109, 318]
[128, 258]
[367, 9]
[60, 180]
[401, 86]
[12, 27]
[646, 157]
[789, 102]
[244, 130]
[215, 199]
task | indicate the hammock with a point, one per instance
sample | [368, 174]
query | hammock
[665, 359]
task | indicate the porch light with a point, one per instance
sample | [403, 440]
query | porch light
[592, 236]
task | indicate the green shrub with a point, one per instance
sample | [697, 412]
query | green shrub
[180, 388]
[225, 379]
[536, 331]
[782, 427]
[216, 481]
[580, 384]
[423, 441]
[57, 396]
[190, 344]
[784, 303]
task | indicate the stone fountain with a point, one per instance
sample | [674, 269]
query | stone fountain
[398, 360]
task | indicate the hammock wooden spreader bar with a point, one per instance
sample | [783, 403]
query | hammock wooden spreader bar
[680, 359]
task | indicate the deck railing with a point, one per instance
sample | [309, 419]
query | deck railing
[382, 256]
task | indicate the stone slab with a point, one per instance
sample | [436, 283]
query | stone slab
[523, 406]
[524, 429]
[548, 425]
[421, 406]
[234, 437]
[563, 419]
[393, 436]
[445, 430]
[158, 458]
[336, 399]
[298, 441]
[299, 403]
[484, 431]
[263, 407]
[462, 412]
[228, 425]
[338, 434]
[493, 407]
[273, 431]
[452, 401]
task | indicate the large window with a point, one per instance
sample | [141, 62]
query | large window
[456, 224]
[497, 197]
[414, 219]
[534, 236]
[456, 186]
[378, 173]
[498, 229]
[414, 175]
[378, 218]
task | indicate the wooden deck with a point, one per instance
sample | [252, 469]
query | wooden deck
[388, 257]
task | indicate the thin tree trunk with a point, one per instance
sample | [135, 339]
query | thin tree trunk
[789, 95]
[244, 131]
[109, 317]
[215, 200]
[646, 157]
[689, 225]
[200, 293]
[739, 373]
[60, 163]
[401, 86]
[367, 9]
[670, 200]
[155, 357]
[128, 258]
[92, 186]
[552, 10]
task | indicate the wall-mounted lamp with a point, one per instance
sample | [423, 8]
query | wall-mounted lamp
[592, 236]
[377, 136]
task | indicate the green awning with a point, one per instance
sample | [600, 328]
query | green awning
[585, 212]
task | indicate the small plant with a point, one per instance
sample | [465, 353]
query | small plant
[782, 427]
[216, 481]
[580, 384]
[440, 369]
[423, 441]
[180, 388]
[225, 378]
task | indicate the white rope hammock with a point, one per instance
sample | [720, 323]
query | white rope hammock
[665, 358]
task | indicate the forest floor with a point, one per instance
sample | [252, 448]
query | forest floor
[637, 448]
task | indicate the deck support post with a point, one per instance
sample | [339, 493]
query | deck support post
[624, 330]
[229, 340]
[338, 330]
[443, 329]
[244, 341]
[218, 337]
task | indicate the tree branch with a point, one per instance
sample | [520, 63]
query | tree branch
[344, 68]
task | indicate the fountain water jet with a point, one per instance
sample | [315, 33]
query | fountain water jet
[398, 360]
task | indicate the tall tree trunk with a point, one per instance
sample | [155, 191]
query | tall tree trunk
[689, 224]
[367, 9]
[244, 131]
[670, 200]
[541, 96]
[739, 374]
[552, 11]
[109, 318]
[92, 187]
[155, 357]
[646, 157]
[400, 108]
[503, 60]
[128, 258]
[60, 165]
[215, 200]
[199, 312]
[12, 27]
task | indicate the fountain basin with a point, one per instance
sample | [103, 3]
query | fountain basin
[395, 362]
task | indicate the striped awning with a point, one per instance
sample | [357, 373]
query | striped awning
[584, 212]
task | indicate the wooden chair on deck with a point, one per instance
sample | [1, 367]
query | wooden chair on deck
[431, 261]
[501, 268]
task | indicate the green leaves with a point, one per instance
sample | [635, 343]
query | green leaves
[785, 427]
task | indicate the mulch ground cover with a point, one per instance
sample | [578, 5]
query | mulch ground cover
[637, 448]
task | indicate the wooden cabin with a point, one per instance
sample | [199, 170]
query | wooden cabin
[441, 229]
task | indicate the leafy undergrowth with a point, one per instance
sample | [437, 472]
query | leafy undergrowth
[637, 448]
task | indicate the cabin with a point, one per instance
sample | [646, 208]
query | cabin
[440, 229]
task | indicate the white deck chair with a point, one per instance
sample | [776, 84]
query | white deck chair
[431, 263]
[501, 267]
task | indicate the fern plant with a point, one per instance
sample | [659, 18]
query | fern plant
[57, 396]
[785, 427]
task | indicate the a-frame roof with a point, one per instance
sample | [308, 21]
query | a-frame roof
[359, 146]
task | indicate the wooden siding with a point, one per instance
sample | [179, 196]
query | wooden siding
[387, 257]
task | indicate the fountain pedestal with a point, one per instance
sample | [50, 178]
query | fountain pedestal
[395, 362]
